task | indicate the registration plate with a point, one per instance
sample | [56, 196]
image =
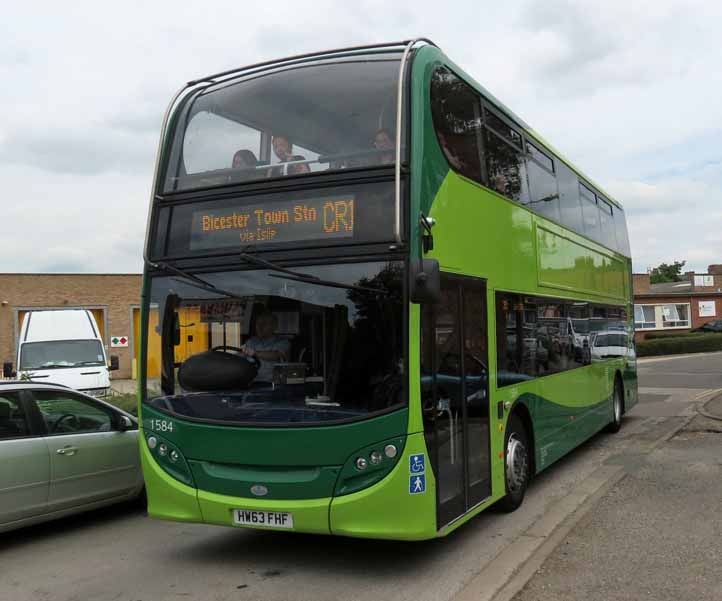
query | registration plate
[269, 519]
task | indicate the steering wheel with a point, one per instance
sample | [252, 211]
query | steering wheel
[61, 419]
[224, 347]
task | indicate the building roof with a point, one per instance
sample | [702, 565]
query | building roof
[683, 288]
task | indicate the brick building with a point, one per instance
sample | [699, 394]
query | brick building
[677, 306]
[113, 299]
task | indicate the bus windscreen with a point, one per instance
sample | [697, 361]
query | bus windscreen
[315, 117]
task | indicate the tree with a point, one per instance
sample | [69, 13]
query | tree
[667, 273]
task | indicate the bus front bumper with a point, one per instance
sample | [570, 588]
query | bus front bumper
[385, 510]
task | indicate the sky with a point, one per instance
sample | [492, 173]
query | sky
[629, 91]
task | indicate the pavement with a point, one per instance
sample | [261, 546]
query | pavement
[657, 533]
[612, 505]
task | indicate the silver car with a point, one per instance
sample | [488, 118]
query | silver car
[62, 452]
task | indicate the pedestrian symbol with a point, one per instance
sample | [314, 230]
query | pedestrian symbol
[417, 484]
[417, 464]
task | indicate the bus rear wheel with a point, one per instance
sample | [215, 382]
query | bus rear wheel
[617, 407]
[516, 464]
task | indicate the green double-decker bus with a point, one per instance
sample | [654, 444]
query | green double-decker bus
[375, 301]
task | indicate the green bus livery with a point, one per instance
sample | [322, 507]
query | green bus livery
[375, 302]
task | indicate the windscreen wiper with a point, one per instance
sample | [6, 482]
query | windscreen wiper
[194, 280]
[330, 283]
[297, 276]
[249, 258]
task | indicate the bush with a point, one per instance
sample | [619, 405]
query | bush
[657, 335]
[677, 345]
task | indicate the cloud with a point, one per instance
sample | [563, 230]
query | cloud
[629, 91]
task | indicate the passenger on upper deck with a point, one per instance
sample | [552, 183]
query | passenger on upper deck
[283, 148]
[266, 346]
[383, 141]
[244, 159]
[299, 168]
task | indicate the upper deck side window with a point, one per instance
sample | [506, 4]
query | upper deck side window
[481, 143]
[322, 116]
[456, 111]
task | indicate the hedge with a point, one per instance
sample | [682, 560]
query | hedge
[677, 345]
[657, 335]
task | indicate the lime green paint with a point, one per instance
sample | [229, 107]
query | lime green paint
[387, 510]
[352, 479]
[571, 265]
[168, 499]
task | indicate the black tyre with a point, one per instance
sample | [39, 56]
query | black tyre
[617, 407]
[517, 464]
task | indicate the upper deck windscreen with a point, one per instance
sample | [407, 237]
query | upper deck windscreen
[320, 116]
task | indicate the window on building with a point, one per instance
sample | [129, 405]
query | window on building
[644, 318]
[661, 316]
[675, 316]
[456, 111]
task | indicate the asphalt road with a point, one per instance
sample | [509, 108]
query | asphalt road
[120, 554]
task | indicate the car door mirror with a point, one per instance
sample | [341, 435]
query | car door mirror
[125, 423]
[114, 363]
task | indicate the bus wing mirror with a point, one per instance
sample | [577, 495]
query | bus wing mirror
[425, 281]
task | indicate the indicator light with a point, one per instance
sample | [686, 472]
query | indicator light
[152, 442]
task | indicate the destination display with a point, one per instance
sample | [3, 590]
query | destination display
[273, 222]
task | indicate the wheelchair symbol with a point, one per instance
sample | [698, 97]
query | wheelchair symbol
[417, 464]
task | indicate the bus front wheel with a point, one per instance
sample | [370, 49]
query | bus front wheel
[517, 464]
[617, 407]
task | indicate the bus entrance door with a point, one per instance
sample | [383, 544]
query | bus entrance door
[455, 390]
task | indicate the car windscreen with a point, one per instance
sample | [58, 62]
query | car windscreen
[321, 116]
[56, 354]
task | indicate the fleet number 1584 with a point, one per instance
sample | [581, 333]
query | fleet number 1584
[161, 425]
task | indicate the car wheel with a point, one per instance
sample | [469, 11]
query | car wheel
[517, 464]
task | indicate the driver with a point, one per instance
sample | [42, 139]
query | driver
[266, 346]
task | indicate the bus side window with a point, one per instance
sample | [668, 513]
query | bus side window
[569, 204]
[543, 192]
[606, 222]
[456, 112]
[505, 165]
[620, 224]
[590, 213]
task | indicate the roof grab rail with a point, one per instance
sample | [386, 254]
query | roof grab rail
[399, 115]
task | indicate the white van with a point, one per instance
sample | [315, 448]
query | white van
[64, 347]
